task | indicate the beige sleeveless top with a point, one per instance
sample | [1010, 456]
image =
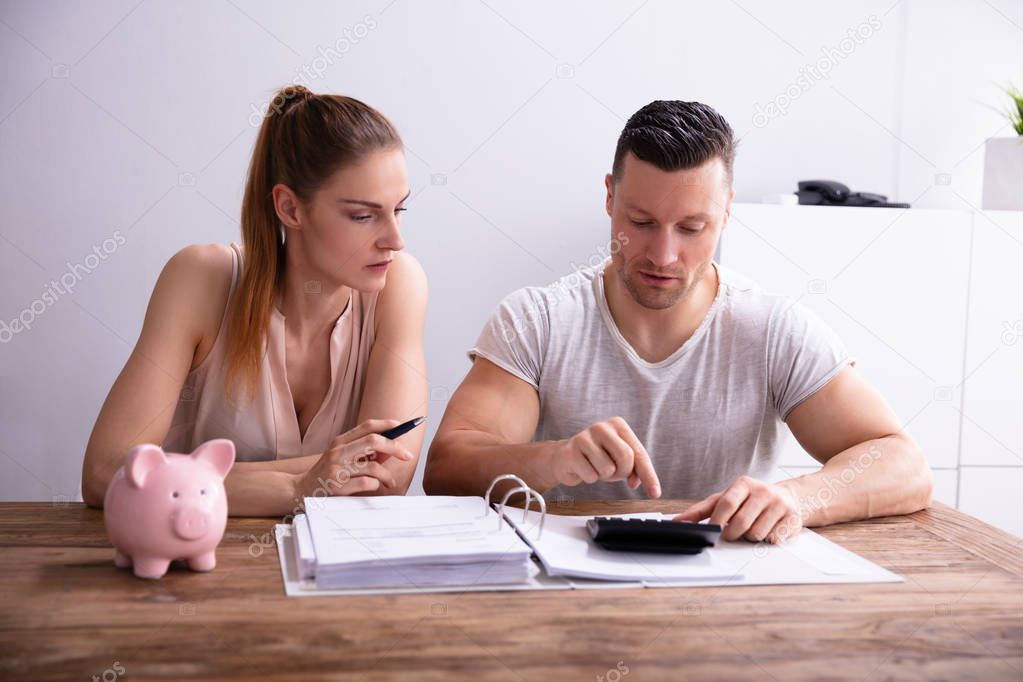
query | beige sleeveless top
[267, 427]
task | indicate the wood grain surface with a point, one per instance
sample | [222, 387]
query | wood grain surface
[68, 613]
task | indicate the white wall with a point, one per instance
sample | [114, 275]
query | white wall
[132, 121]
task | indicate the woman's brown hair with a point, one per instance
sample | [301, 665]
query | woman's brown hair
[303, 140]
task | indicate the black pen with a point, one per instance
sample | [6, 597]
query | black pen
[402, 429]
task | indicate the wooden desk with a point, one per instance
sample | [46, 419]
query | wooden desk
[67, 613]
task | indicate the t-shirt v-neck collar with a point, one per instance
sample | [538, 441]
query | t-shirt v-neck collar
[619, 338]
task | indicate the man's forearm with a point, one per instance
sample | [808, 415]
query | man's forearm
[465, 463]
[880, 477]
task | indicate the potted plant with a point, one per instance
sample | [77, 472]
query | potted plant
[1003, 161]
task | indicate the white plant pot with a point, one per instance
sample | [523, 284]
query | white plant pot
[1003, 174]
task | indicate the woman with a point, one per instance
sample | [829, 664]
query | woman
[313, 327]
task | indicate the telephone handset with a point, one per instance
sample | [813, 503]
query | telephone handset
[832, 193]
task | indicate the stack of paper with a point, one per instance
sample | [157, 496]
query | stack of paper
[360, 542]
[305, 555]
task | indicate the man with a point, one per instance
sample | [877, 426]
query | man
[662, 369]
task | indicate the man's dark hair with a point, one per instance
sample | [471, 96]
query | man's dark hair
[674, 135]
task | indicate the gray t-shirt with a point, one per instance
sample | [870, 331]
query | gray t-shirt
[710, 412]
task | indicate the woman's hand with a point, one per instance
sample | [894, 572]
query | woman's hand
[353, 463]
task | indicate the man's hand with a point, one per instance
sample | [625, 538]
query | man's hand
[750, 509]
[605, 451]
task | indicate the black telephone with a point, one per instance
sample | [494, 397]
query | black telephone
[832, 193]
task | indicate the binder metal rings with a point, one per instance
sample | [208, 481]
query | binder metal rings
[521, 488]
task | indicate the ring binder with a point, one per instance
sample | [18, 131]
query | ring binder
[521, 488]
[493, 484]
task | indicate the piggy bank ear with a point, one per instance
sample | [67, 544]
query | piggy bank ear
[218, 453]
[141, 460]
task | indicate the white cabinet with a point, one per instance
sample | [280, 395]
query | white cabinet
[891, 282]
[992, 494]
[993, 391]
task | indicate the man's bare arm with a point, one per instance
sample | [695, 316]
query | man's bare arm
[486, 432]
[872, 467]
[487, 429]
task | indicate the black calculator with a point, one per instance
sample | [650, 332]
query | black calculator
[662, 536]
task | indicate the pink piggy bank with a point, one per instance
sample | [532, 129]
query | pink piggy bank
[164, 506]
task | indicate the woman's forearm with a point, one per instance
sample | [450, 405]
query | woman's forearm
[291, 465]
[266, 488]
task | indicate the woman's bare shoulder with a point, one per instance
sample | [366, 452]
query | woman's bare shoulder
[403, 299]
[201, 274]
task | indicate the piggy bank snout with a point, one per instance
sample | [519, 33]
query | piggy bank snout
[192, 523]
